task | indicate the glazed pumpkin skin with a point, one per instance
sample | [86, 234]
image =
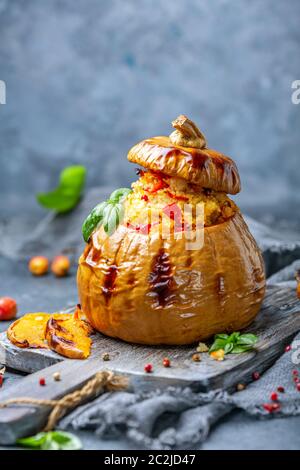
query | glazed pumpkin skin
[142, 288]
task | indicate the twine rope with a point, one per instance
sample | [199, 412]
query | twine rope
[102, 380]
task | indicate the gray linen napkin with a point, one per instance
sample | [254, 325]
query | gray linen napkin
[142, 417]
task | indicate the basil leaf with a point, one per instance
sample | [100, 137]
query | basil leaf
[217, 344]
[110, 218]
[234, 337]
[33, 441]
[234, 343]
[240, 349]
[247, 339]
[66, 440]
[50, 444]
[121, 211]
[93, 220]
[109, 213]
[67, 195]
[119, 195]
[53, 440]
[228, 348]
[73, 177]
[221, 336]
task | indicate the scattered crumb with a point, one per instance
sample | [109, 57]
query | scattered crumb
[196, 357]
[240, 387]
[202, 348]
[106, 356]
[56, 376]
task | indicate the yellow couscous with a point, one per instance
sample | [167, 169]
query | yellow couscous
[158, 197]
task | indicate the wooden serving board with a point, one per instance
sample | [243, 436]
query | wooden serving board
[275, 326]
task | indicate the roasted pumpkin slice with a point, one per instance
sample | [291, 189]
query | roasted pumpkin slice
[29, 331]
[69, 337]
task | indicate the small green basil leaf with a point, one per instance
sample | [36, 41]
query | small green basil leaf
[35, 442]
[119, 195]
[247, 339]
[49, 443]
[68, 193]
[221, 336]
[66, 440]
[233, 338]
[228, 348]
[109, 213]
[121, 211]
[52, 440]
[73, 177]
[217, 344]
[93, 220]
[110, 218]
[240, 349]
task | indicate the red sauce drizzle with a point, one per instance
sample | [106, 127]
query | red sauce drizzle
[95, 255]
[161, 278]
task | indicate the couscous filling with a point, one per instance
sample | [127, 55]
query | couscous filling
[157, 198]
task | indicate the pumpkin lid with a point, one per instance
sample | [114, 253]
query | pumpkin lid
[185, 154]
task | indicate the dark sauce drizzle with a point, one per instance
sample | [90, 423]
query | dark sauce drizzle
[161, 278]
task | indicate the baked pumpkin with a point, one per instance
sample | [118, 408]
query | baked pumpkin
[68, 335]
[29, 331]
[167, 275]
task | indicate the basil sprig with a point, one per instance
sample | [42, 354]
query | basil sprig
[53, 440]
[109, 214]
[234, 343]
[68, 192]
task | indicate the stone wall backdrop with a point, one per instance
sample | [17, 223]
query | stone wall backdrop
[88, 79]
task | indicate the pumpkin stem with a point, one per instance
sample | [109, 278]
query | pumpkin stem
[187, 133]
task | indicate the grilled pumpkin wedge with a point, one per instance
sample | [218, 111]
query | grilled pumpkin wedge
[69, 337]
[66, 334]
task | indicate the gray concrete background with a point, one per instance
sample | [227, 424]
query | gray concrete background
[88, 79]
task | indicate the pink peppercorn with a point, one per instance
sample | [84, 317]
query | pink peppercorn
[42, 381]
[274, 396]
[166, 362]
[288, 348]
[268, 407]
[148, 368]
[256, 375]
[275, 407]
[271, 407]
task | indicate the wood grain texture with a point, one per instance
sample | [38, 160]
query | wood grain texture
[277, 323]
